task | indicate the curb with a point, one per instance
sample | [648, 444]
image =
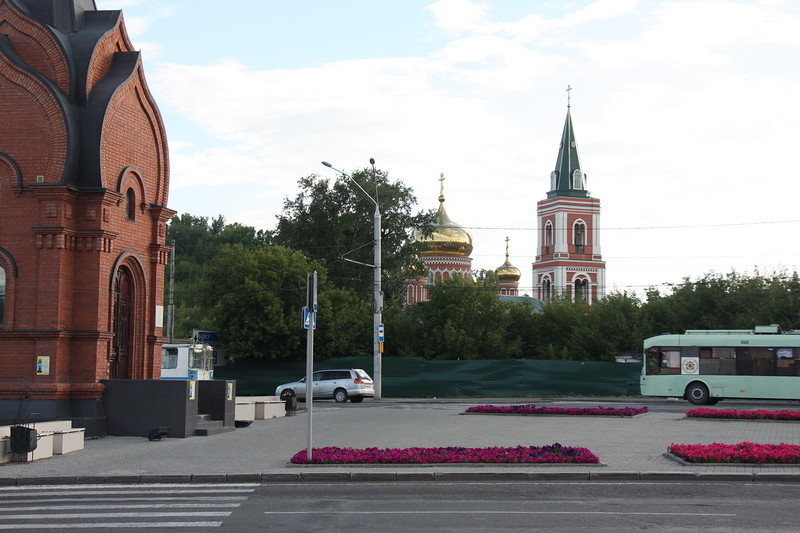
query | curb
[362, 476]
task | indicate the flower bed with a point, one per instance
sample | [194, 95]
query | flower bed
[744, 452]
[572, 411]
[554, 453]
[758, 414]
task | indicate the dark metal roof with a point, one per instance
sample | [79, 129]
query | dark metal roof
[65, 15]
[568, 178]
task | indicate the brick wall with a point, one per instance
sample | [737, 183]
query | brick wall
[62, 245]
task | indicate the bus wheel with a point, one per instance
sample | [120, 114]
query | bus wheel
[697, 393]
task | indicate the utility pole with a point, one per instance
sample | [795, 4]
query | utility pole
[377, 296]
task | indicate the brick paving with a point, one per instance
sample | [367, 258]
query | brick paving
[629, 448]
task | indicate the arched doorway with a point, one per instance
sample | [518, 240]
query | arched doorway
[119, 367]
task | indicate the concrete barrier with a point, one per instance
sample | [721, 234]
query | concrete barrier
[54, 437]
[266, 407]
[68, 440]
[245, 411]
[4, 455]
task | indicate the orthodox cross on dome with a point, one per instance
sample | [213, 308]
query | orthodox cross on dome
[441, 187]
[568, 95]
[506, 247]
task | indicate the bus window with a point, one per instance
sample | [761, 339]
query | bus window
[755, 361]
[717, 361]
[787, 364]
[671, 361]
[169, 358]
[663, 360]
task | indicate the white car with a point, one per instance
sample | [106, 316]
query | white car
[346, 384]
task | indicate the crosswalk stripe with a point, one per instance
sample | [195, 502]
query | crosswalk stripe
[10, 501]
[123, 506]
[109, 525]
[119, 506]
[171, 486]
[49, 516]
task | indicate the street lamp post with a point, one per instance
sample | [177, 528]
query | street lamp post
[377, 320]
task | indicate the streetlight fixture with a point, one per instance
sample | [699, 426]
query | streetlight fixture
[377, 321]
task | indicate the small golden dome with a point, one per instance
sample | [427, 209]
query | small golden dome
[447, 236]
[507, 273]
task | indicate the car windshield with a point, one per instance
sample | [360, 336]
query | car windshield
[361, 374]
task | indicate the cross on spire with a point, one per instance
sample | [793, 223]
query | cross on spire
[568, 95]
[441, 186]
[506, 247]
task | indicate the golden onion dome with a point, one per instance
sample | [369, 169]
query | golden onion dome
[447, 236]
[507, 273]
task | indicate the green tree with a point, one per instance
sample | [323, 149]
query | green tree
[730, 301]
[254, 298]
[464, 319]
[197, 241]
[332, 221]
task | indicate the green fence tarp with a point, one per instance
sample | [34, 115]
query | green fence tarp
[414, 377]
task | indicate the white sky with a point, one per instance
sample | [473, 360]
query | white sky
[686, 116]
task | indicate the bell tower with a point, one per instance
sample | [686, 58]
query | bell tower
[568, 259]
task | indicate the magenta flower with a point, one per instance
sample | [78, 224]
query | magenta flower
[554, 453]
[757, 414]
[744, 452]
[572, 411]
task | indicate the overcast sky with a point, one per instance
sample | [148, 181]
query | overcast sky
[686, 116]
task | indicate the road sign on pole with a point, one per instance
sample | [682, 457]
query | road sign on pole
[309, 317]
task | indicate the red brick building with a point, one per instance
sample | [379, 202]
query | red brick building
[445, 253]
[84, 174]
[568, 259]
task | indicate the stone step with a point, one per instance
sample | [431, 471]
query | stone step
[206, 427]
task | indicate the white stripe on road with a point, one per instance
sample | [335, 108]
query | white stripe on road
[9, 501]
[124, 506]
[497, 512]
[109, 525]
[47, 516]
[220, 486]
[81, 492]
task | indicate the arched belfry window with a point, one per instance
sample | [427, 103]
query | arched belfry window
[546, 289]
[2, 295]
[581, 289]
[579, 237]
[130, 204]
[548, 235]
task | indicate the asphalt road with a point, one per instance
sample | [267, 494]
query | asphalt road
[400, 507]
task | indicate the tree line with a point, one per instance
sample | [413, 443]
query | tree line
[249, 286]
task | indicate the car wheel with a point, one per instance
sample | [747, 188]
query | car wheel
[340, 395]
[286, 394]
[697, 394]
[357, 399]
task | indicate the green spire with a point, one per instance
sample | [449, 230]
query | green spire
[568, 179]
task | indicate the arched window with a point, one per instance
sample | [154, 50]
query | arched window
[546, 289]
[548, 235]
[581, 286]
[579, 237]
[2, 295]
[130, 204]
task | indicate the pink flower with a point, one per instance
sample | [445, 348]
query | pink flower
[573, 411]
[759, 414]
[744, 452]
[554, 453]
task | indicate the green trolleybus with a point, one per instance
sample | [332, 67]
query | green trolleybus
[704, 366]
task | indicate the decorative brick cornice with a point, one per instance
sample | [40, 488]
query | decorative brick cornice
[63, 238]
